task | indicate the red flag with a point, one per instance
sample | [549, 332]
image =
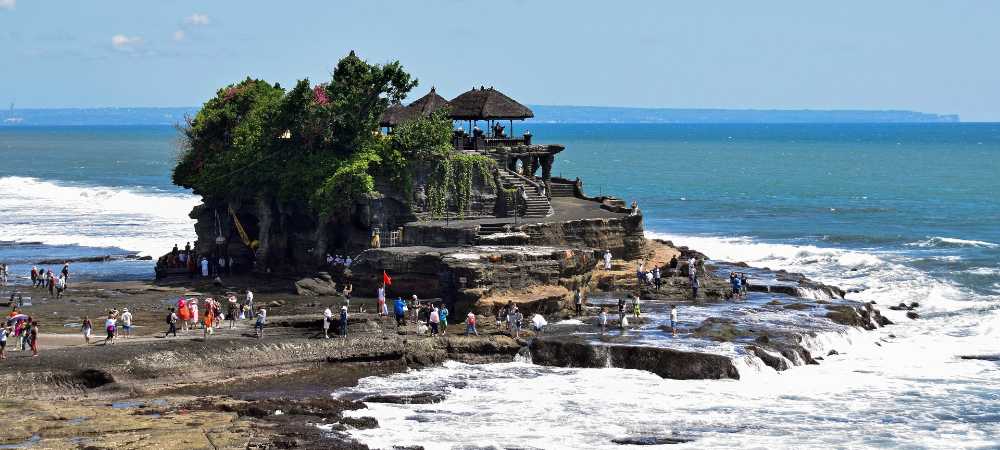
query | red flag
[386, 279]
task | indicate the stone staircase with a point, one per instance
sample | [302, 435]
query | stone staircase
[562, 190]
[537, 205]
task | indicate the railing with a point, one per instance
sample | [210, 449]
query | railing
[466, 142]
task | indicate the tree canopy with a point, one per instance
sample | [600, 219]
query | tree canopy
[315, 144]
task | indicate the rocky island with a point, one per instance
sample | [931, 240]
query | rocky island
[461, 217]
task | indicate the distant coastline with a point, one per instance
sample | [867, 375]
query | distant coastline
[543, 114]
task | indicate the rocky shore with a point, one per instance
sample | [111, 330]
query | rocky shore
[234, 391]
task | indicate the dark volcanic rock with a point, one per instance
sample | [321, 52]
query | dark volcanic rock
[774, 361]
[665, 362]
[650, 440]
[361, 423]
[415, 399]
[912, 315]
[319, 286]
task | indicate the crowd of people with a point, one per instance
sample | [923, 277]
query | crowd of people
[738, 284]
[210, 314]
[46, 279]
[23, 328]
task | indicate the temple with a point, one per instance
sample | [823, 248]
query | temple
[516, 229]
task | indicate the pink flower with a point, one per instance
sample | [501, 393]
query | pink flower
[319, 94]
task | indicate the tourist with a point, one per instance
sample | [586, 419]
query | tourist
[673, 320]
[744, 285]
[209, 317]
[578, 301]
[193, 316]
[33, 338]
[327, 318]
[516, 319]
[343, 322]
[348, 261]
[261, 320]
[232, 311]
[111, 328]
[329, 260]
[538, 323]
[87, 329]
[60, 286]
[34, 276]
[183, 313]
[4, 331]
[434, 320]
[127, 323]
[65, 273]
[443, 316]
[171, 324]
[509, 315]
[51, 278]
[602, 319]
[737, 286]
[400, 309]
[640, 273]
[694, 287]
[634, 211]
[470, 324]
[621, 308]
[657, 278]
[24, 328]
[692, 268]
[607, 260]
[383, 309]
[204, 266]
[414, 309]
[249, 299]
[348, 288]
[673, 265]
[636, 309]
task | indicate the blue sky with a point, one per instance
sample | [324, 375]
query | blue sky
[928, 56]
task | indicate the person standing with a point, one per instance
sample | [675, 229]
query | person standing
[34, 276]
[607, 259]
[171, 324]
[33, 338]
[204, 266]
[470, 324]
[51, 278]
[127, 323]
[383, 309]
[636, 311]
[443, 316]
[65, 273]
[193, 317]
[695, 284]
[673, 320]
[4, 331]
[60, 286]
[232, 311]
[516, 320]
[578, 301]
[249, 299]
[343, 322]
[602, 320]
[414, 309]
[434, 320]
[209, 317]
[657, 278]
[327, 318]
[621, 310]
[348, 288]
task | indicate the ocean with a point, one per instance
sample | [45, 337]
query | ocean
[893, 212]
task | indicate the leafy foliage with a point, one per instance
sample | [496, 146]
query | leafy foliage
[315, 144]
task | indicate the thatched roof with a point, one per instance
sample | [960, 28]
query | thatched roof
[487, 104]
[394, 115]
[428, 104]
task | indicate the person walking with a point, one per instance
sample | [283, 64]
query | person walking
[343, 322]
[261, 321]
[400, 309]
[87, 329]
[578, 301]
[232, 311]
[602, 320]
[673, 320]
[470, 324]
[327, 318]
[171, 324]
[636, 309]
[209, 317]
[60, 286]
[383, 309]
[65, 274]
[127, 323]
[110, 325]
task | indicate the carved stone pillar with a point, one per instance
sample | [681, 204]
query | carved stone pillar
[547, 167]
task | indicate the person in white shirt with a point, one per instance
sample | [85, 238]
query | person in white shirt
[127, 323]
[327, 318]
[607, 260]
[673, 320]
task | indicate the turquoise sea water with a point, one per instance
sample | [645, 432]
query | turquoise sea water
[896, 213]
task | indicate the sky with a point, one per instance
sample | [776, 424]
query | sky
[928, 56]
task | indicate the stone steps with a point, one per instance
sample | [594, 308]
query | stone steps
[562, 190]
[536, 205]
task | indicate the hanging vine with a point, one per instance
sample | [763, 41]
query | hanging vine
[451, 182]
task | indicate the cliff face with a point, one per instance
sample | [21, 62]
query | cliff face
[291, 238]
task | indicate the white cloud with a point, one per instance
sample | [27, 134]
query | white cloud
[125, 43]
[8, 4]
[179, 35]
[194, 19]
